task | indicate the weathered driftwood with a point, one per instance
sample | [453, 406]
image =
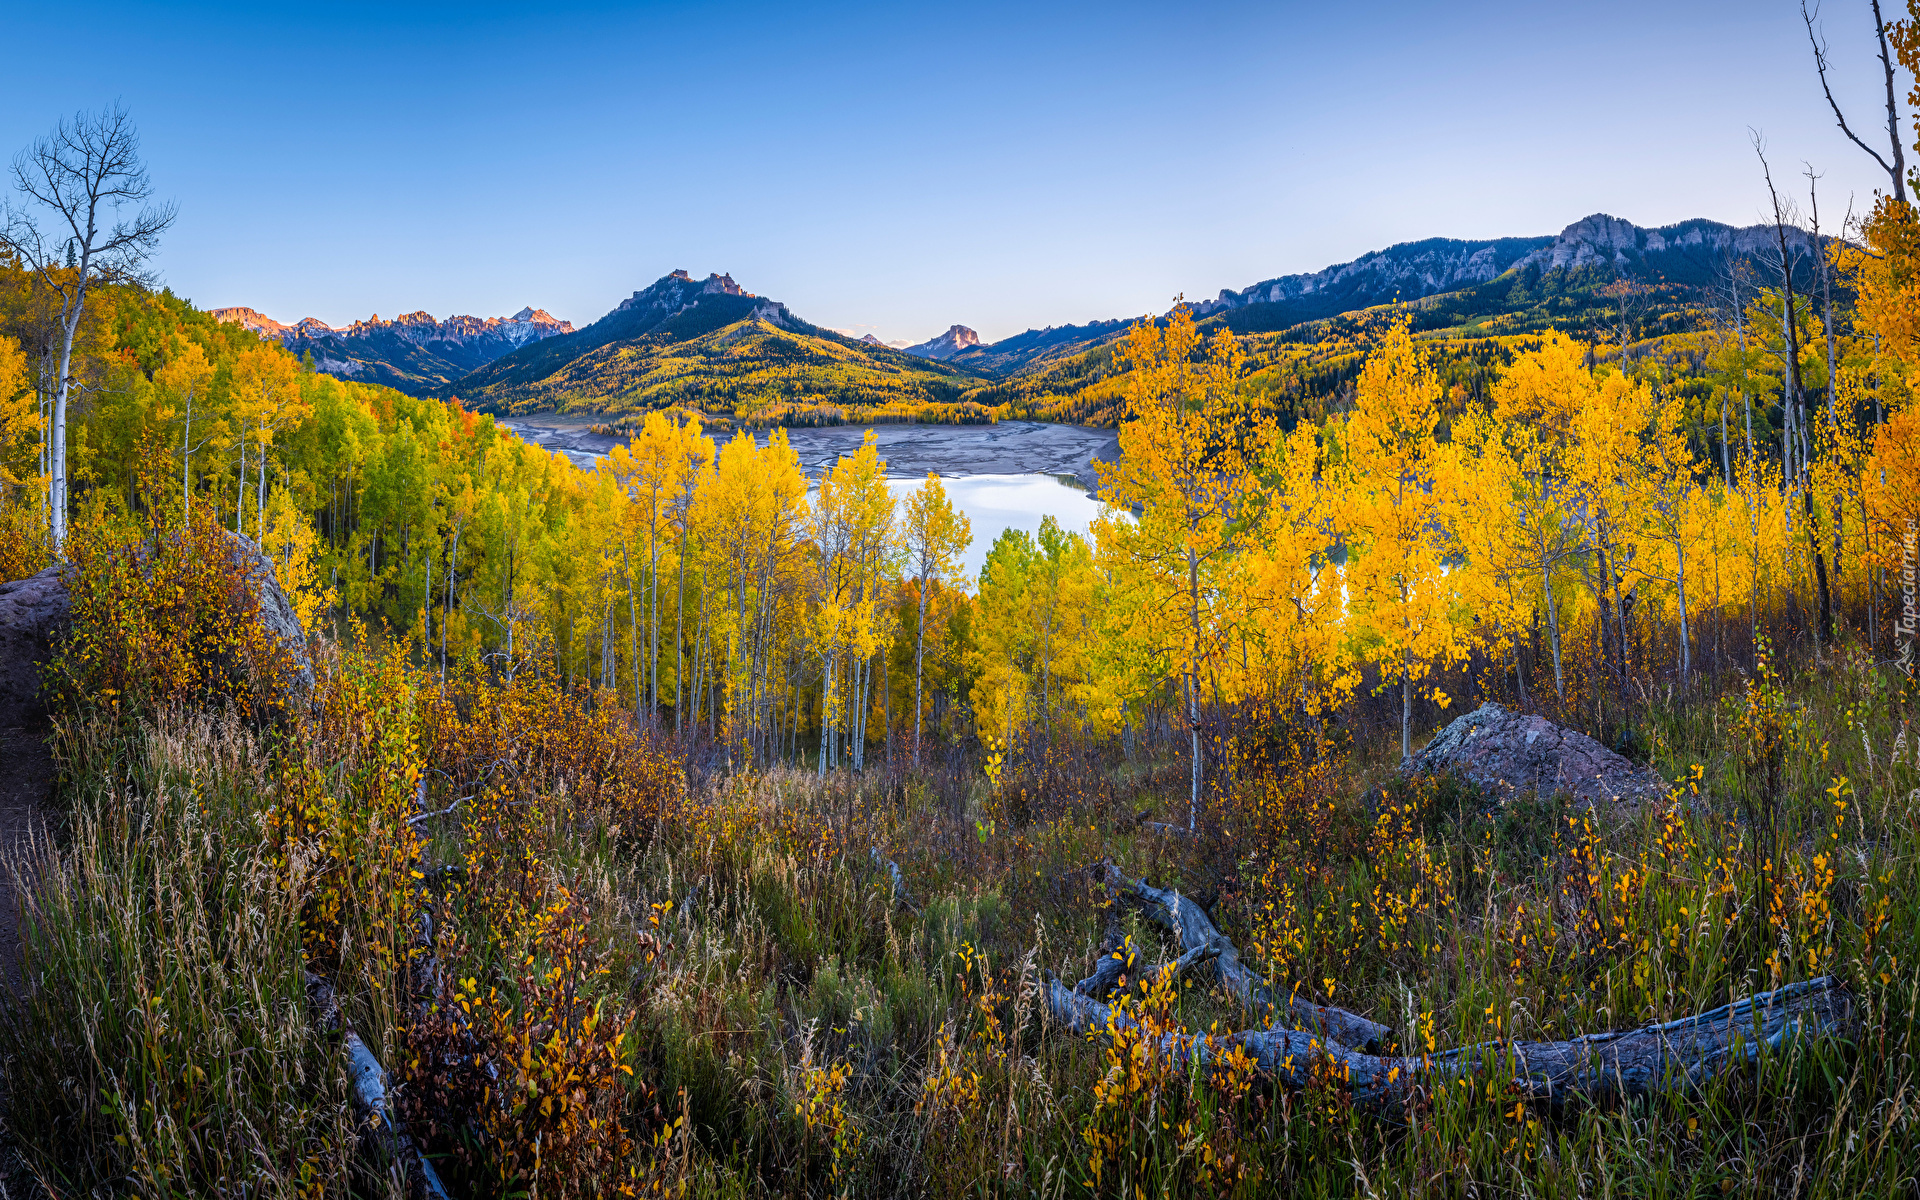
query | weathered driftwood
[1675, 1055]
[1189, 923]
[370, 1093]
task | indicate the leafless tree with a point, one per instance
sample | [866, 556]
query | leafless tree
[1797, 444]
[1897, 169]
[83, 175]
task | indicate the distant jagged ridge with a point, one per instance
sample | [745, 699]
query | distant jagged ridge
[414, 352]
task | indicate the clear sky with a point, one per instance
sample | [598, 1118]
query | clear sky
[896, 168]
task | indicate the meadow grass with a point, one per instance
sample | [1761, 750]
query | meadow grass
[630, 982]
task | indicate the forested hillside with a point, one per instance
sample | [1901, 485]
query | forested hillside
[710, 347]
[1472, 753]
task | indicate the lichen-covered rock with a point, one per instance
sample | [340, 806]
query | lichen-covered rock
[276, 611]
[33, 614]
[1510, 753]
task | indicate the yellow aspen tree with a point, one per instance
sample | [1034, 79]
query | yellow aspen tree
[1603, 438]
[1515, 520]
[651, 468]
[746, 508]
[1004, 641]
[691, 466]
[19, 421]
[850, 524]
[1185, 470]
[181, 383]
[1395, 482]
[289, 539]
[1665, 503]
[1293, 620]
[934, 532]
[266, 397]
[1059, 591]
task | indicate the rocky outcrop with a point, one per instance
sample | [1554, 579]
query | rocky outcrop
[33, 616]
[276, 611]
[252, 319]
[1601, 240]
[35, 613]
[1510, 754]
[948, 344]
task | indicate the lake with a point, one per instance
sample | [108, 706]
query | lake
[997, 503]
[1008, 475]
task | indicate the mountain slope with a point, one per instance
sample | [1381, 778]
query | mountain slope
[412, 353]
[706, 344]
[1518, 284]
[1580, 281]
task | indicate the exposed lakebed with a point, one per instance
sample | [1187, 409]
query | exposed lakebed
[1009, 475]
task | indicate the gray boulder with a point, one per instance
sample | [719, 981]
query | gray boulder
[276, 611]
[35, 612]
[33, 615]
[1510, 754]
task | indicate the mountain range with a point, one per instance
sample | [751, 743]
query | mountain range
[712, 345]
[413, 352]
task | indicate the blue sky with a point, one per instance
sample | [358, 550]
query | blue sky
[899, 169]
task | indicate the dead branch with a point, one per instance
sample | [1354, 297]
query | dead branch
[370, 1091]
[1672, 1056]
[1186, 920]
[899, 881]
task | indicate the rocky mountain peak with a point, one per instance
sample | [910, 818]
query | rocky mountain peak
[248, 318]
[414, 351]
[948, 344]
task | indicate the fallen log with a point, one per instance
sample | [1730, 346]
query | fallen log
[370, 1095]
[1189, 923]
[1674, 1055]
[899, 881]
[1119, 962]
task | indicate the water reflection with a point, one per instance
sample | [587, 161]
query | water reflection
[996, 503]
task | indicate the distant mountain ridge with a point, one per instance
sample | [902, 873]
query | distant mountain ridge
[414, 352]
[705, 342]
[1585, 255]
[710, 343]
[1687, 253]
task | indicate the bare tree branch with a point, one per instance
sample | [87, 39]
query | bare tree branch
[1896, 170]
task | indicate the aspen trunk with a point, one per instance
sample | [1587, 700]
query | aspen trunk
[919, 667]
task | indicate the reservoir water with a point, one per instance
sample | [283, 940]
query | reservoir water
[997, 503]
[1009, 475]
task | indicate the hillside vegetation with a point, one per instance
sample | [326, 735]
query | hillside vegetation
[670, 828]
[679, 344]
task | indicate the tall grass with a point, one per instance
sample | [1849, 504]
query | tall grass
[162, 1042]
[590, 975]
